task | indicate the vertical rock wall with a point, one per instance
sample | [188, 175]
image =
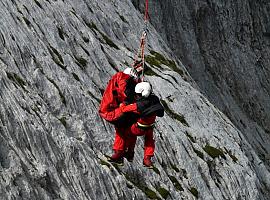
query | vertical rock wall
[225, 47]
[56, 57]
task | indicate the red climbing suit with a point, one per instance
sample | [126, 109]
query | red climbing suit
[119, 90]
[125, 138]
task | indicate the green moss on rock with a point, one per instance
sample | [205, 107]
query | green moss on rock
[174, 115]
[103, 162]
[233, 157]
[57, 58]
[106, 39]
[150, 72]
[214, 152]
[199, 153]
[175, 168]
[63, 121]
[17, 79]
[156, 170]
[163, 192]
[109, 41]
[192, 139]
[91, 25]
[150, 193]
[176, 184]
[194, 191]
[152, 61]
[76, 76]
[142, 186]
[81, 62]
[158, 59]
[130, 186]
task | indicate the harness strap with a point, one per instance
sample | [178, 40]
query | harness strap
[145, 125]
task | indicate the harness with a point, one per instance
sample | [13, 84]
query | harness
[145, 126]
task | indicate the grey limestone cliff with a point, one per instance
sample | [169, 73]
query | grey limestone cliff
[56, 57]
[225, 46]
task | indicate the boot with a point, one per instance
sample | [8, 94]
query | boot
[117, 157]
[129, 155]
[147, 162]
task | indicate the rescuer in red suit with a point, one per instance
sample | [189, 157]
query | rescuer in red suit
[117, 104]
[120, 90]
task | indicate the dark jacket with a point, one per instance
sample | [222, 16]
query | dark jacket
[149, 106]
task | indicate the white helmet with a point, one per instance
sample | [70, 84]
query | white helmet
[143, 88]
[131, 71]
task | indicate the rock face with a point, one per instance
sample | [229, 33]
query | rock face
[55, 60]
[225, 46]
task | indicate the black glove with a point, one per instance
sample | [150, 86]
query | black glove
[142, 104]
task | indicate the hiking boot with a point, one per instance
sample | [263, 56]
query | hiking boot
[147, 162]
[117, 157]
[129, 155]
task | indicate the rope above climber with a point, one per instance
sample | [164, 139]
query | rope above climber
[133, 113]
[129, 104]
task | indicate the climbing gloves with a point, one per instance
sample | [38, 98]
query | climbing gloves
[141, 105]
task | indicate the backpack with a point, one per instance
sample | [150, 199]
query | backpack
[120, 89]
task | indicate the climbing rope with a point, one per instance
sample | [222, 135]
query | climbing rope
[140, 52]
[146, 14]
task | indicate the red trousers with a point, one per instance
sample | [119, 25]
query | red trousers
[125, 139]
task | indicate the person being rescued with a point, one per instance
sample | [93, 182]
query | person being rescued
[148, 108]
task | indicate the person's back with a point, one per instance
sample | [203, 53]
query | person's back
[120, 89]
